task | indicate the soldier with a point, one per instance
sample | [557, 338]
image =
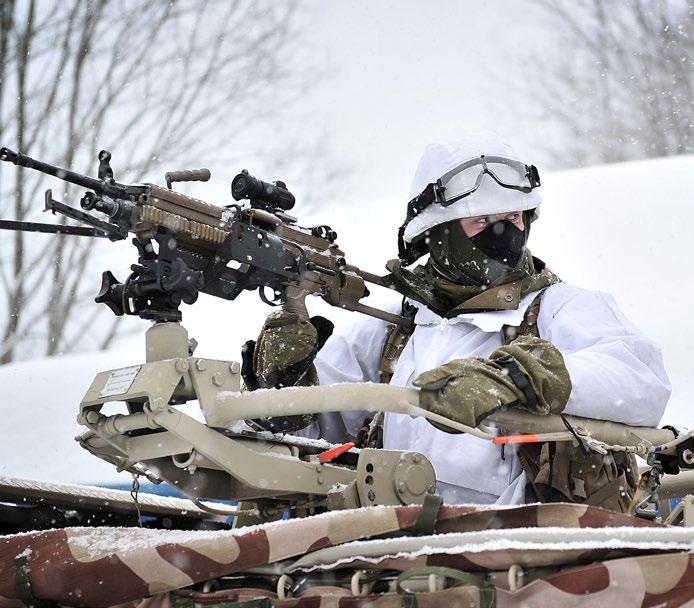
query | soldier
[493, 327]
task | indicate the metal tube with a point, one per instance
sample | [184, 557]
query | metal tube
[230, 407]
[603, 430]
[183, 461]
[23, 160]
[123, 423]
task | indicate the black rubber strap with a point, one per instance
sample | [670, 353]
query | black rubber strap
[584, 448]
[410, 252]
[22, 584]
[426, 520]
[518, 378]
[247, 372]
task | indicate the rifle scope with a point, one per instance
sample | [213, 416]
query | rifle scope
[273, 195]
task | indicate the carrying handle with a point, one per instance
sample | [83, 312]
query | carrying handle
[191, 175]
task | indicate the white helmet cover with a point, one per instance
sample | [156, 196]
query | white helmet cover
[489, 198]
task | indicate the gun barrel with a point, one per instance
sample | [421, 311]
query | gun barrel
[78, 179]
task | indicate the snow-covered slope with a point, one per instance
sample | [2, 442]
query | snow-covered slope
[38, 409]
[620, 228]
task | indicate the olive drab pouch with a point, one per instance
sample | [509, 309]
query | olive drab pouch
[566, 471]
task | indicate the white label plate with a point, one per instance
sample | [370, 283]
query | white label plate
[120, 381]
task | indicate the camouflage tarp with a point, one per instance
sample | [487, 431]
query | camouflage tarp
[110, 566]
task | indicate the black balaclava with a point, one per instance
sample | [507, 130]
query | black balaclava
[492, 257]
[502, 241]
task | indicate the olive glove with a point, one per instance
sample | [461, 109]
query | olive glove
[283, 356]
[529, 373]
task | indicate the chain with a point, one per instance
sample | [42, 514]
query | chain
[643, 448]
[134, 490]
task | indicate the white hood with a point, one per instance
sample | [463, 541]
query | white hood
[489, 198]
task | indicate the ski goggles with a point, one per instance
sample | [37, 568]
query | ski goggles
[463, 179]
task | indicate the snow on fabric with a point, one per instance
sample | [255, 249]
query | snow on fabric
[108, 566]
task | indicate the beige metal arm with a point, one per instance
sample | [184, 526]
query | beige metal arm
[230, 407]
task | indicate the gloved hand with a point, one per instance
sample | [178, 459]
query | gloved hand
[283, 356]
[285, 350]
[529, 373]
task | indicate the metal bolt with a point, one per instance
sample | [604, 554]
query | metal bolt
[181, 366]
[200, 365]
[157, 404]
[234, 367]
[688, 456]
[217, 379]
[508, 297]
[320, 479]
[416, 458]
[92, 417]
[401, 490]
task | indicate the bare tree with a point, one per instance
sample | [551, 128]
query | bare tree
[619, 86]
[157, 82]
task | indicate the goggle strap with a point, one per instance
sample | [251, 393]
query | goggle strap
[533, 176]
[420, 202]
[412, 252]
[402, 247]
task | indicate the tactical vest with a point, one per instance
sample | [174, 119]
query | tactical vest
[561, 471]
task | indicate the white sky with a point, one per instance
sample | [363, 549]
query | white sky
[408, 72]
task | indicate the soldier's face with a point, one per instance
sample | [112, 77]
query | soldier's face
[475, 225]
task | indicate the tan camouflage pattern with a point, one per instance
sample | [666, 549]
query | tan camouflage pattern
[284, 341]
[101, 567]
[468, 390]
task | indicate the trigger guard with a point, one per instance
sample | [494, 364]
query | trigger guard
[276, 302]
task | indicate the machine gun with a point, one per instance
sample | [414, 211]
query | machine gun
[185, 246]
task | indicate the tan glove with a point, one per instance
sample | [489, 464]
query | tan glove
[528, 373]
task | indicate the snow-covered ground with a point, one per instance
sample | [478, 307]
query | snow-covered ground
[620, 228]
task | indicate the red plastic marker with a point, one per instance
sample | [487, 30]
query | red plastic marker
[333, 453]
[502, 439]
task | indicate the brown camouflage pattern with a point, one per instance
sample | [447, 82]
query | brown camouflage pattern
[100, 567]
